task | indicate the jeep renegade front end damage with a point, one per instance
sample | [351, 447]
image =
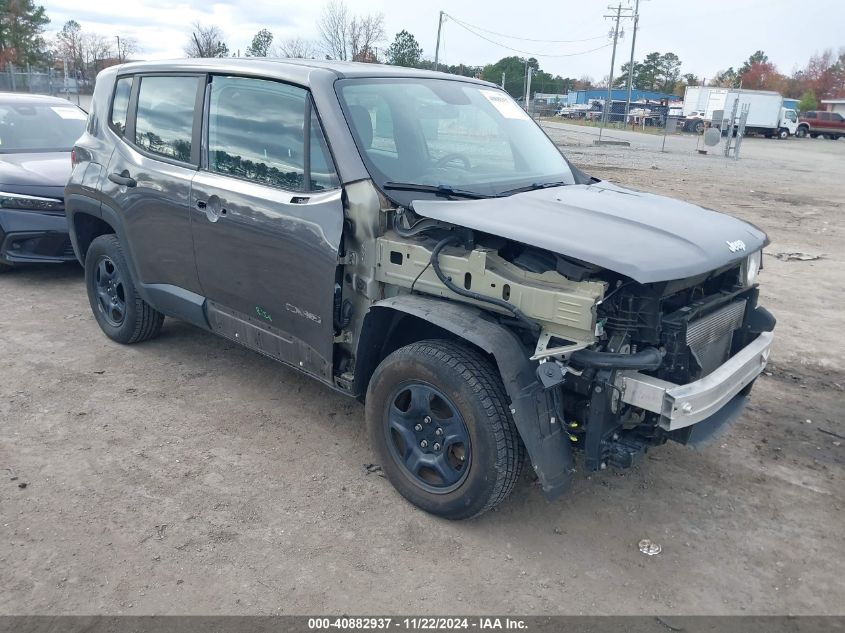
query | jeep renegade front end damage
[413, 239]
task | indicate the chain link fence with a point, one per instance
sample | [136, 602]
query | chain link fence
[44, 81]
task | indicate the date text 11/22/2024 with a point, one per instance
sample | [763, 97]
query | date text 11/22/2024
[414, 624]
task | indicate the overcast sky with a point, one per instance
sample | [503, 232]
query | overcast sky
[700, 33]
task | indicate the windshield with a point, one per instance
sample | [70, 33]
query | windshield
[446, 133]
[40, 127]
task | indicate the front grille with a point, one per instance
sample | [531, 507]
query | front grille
[710, 337]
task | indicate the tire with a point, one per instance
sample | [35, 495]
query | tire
[4, 268]
[441, 389]
[120, 312]
[783, 134]
[698, 128]
[801, 132]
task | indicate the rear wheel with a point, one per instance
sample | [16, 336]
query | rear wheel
[4, 268]
[438, 419]
[120, 312]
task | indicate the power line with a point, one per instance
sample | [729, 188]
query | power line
[524, 39]
[517, 50]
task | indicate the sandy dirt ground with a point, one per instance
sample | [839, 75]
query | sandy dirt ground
[187, 475]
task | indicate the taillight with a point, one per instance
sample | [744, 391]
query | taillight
[73, 157]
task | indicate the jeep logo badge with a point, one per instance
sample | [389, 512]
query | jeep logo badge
[736, 246]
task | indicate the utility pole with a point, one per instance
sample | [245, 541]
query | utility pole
[503, 81]
[631, 63]
[608, 104]
[437, 48]
[528, 88]
[119, 60]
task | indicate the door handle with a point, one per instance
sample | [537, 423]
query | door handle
[123, 178]
[213, 208]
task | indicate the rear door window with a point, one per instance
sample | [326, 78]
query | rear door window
[165, 120]
[257, 132]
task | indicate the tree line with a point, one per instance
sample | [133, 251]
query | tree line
[22, 42]
[822, 77]
[345, 36]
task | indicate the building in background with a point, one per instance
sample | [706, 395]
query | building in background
[617, 94]
[834, 105]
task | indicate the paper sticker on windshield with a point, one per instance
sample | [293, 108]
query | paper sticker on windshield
[506, 106]
[70, 113]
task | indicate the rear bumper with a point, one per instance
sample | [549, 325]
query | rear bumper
[30, 237]
[680, 406]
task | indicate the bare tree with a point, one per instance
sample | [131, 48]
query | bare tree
[69, 45]
[295, 48]
[364, 33]
[206, 41]
[96, 48]
[346, 37]
[126, 46]
[333, 25]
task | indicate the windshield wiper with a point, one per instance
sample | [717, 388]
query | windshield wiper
[440, 190]
[533, 187]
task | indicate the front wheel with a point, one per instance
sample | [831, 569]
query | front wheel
[801, 132]
[120, 312]
[783, 134]
[438, 418]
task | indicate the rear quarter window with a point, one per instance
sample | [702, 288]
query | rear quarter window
[120, 105]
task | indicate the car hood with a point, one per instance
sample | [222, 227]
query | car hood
[643, 236]
[39, 174]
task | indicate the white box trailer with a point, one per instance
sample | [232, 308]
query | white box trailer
[766, 114]
[703, 99]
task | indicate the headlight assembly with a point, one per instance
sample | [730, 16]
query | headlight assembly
[750, 268]
[28, 203]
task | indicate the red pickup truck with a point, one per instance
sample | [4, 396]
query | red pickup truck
[818, 123]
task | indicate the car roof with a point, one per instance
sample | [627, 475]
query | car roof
[296, 70]
[18, 98]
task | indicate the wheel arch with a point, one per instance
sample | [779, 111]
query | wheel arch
[85, 227]
[398, 321]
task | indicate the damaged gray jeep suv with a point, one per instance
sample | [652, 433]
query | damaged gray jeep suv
[414, 240]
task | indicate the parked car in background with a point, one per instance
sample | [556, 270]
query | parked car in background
[821, 124]
[36, 136]
[695, 122]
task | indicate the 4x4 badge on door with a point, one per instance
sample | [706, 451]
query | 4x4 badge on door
[736, 246]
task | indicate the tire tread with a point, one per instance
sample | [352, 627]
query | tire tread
[483, 379]
[148, 320]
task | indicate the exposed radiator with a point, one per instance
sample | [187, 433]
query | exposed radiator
[710, 337]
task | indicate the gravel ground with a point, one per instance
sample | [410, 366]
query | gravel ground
[187, 475]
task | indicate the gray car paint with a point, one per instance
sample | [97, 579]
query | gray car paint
[271, 258]
[643, 236]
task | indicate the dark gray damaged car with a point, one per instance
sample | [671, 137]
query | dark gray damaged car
[414, 240]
